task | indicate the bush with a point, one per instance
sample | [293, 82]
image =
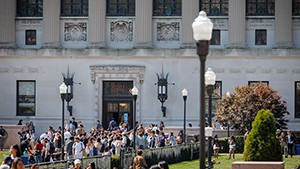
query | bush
[261, 143]
[116, 161]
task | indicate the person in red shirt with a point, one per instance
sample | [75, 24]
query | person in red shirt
[38, 148]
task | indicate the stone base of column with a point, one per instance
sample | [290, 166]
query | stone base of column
[283, 45]
[8, 45]
[190, 45]
[236, 45]
[143, 45]
[96, 45]
[51, 45]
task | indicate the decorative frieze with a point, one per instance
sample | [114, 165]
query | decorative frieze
[168, 31]
[75, 31]
[121, 31]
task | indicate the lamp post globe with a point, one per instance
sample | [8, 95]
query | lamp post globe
[134, 92]
[202, 31]
[184, 96]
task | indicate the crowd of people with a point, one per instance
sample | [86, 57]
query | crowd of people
[109, 140]
[80, 142]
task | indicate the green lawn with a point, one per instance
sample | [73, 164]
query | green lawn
[2, 155]
[289, 163]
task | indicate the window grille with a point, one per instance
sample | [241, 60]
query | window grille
[296, 8]
[120, 8]
[29, 8]
[261, 37]
[74, 8]
[167, 7]
[260, 7]
[214, 7]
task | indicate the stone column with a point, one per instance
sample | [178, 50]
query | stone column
[7, 24]
[96, 26]
[190, 10]
[283, 24]
[51, 14]
[237, 24]
[143, 23]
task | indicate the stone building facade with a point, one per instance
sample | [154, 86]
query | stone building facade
[112, 46]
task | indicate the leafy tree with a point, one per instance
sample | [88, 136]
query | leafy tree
[261, 143]
[239, 109]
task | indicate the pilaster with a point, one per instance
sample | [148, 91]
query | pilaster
[237, 24]
[190, 10]
[143, 23]
[51, 14]
[96, 26]
[283, 24]
[7, 24]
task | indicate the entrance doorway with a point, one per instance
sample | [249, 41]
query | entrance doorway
[117, 102]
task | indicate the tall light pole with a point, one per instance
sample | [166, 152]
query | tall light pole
[227, 95]
[210, 80]
[66, 93]
[63, 89]
[202, 29]
[134, 92]
[184, 95]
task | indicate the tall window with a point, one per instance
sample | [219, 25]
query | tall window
[260, 7]
[74, 7]
[29, 8]
[297, 99]
[216, 37]
[120, 8]
[261, 37]
[217, 93]
[214, 7]
[26, 98]
[167, 7]
[296, 8]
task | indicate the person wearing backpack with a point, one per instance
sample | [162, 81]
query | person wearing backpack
[78, 148]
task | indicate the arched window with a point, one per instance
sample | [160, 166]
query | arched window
[260, 7]
[120, 8]
[29, 8]
[296, 8]
[214, 7]
[74, 7]
[167, 7]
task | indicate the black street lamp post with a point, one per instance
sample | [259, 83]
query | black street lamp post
[228, 95]
[162, 90]
[134, 93]
[202, 29]
[66, 93]
[63, 92]
[210, 80]
[184, 95]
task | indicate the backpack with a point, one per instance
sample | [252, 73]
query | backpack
[52, 148]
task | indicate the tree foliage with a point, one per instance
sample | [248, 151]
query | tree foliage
[261, 143]
[240, 108]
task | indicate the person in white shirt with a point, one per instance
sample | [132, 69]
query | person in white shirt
[67, 134]
[43, 136]
[78, 148]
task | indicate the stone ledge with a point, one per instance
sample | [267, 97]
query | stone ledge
[258, 165]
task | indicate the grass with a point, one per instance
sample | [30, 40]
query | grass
[289, 163]
[3, 154]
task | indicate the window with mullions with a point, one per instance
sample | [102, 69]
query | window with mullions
[296, 8]
[260, 7]
[74, 7]
[216, 37]
[297, 99]
[29, 8]
[214, 7]
[261, 37]
[120, 8]
[167, 7]
[215, 97]
[26, 98]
